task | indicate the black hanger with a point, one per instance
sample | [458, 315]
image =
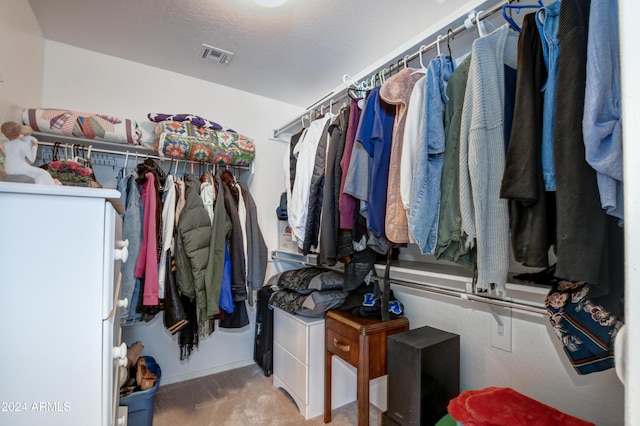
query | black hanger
[449, 37]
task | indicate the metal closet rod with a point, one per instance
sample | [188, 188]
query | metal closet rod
[141, 155]
[110, 151]
[392, 67]
[467, 296]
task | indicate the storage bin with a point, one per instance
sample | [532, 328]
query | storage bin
[140, 404]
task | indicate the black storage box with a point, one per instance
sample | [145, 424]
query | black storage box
[423, 367]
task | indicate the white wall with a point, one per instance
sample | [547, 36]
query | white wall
[22, 65]
[87, 81]
[535, 366]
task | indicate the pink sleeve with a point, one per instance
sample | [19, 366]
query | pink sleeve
[147, 263]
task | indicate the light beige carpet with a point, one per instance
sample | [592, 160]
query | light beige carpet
[243, 396]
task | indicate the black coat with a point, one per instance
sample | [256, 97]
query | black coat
[316, 189]
[580, 218]
[531, 216]
[329, 226]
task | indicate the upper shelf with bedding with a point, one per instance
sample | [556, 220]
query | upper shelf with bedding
[181, 136]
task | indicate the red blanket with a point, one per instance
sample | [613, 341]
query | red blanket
[495, 406]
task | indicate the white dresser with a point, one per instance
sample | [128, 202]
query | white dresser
[298, 364]
[61, 343]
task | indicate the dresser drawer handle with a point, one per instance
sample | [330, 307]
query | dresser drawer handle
[344, 348]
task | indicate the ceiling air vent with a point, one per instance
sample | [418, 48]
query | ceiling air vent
[216, 55]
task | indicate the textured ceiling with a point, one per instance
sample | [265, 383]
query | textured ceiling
[296, 53]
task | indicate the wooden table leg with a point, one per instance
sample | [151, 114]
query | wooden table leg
[363, 382]
[327, 386]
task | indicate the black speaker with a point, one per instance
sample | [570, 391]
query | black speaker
[423, 367]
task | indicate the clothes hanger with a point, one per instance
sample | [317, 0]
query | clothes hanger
[126, 160]
[449, 37]
[348, 81]
[438, 45]
[481, 30]
[517, 8]
[381, 76]
[355, 89]
[422, 69]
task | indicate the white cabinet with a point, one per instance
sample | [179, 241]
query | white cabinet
[298, 364]
[57, 282]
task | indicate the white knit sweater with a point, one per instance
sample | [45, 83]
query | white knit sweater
[485, 217]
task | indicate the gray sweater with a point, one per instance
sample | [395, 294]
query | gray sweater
[485, 217]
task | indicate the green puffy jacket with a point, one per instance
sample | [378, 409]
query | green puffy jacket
[192, 244]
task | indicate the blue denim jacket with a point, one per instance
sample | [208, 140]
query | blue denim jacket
[548, 20]
[132, 231]
[601, 124]
[425, 197]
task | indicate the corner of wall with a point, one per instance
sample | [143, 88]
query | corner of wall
[21, 39]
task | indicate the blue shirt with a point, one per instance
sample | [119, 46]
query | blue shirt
[602, 123]
[375, 133]
[425, 197]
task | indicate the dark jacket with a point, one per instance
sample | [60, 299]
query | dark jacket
[257, 254]
[330, 215]
[345, 236]
[522, 182]
[316, 188]
[236, 245]
[220, 231]
[246, 274]
[293, 160]
[580, 218]
[192, 244]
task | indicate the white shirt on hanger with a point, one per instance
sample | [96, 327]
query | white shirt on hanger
[305, 151]
[168, 222]
[410, 144]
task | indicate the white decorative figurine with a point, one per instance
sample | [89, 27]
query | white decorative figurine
[20, 152]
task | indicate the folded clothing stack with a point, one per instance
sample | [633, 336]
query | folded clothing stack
[309, 292]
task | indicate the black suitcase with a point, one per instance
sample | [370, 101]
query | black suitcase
[263, 348]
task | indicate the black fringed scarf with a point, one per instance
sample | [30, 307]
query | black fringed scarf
[188, 337]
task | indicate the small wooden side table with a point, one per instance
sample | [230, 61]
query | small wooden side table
[362, 343]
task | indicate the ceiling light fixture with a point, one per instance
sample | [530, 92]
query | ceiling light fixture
[270, 3]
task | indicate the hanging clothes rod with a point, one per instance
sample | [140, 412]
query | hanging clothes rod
[344, 93]
[466, 296]
[113, 152]
[312, 261]
[142, 154]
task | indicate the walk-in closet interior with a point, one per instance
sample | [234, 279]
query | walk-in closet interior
[454, 167]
